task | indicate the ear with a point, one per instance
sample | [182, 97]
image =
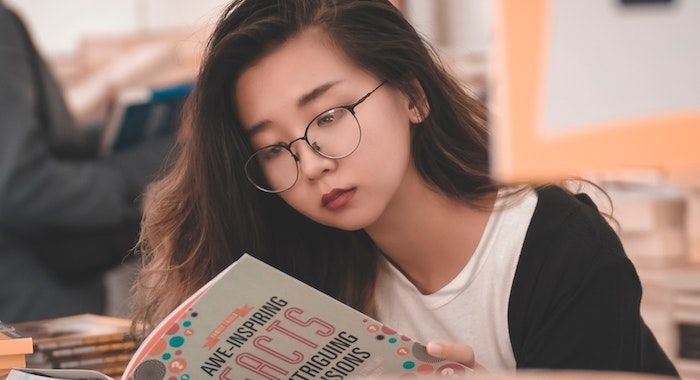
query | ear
[418, 106]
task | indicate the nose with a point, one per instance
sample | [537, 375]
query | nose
[311, 164]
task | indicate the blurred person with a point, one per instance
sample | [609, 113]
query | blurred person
[65, 215]
[328, 141]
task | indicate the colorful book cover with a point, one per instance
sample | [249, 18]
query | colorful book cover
[255, 322]
[143, 113]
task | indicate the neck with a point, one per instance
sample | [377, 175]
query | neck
[427, 235]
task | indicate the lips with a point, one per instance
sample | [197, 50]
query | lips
[337, 198]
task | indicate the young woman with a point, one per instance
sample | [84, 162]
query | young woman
[328, 141]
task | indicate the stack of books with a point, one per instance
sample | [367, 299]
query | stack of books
[84, 341]
[660, 230]
[104, 65]
[693, 225]
[13, 349]
[689, 179]
[652, 223]
[657, 223]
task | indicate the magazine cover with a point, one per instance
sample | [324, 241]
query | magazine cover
[253, 321]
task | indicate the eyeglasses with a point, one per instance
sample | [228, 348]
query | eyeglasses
[334, 133]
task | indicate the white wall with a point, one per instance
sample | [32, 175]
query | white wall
[57, 25]
[456, 26]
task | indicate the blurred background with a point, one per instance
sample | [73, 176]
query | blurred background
[80, 42]
[105, 54]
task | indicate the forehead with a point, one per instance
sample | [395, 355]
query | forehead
[280, 78]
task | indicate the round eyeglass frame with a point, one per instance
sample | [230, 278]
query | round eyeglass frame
[288, 146]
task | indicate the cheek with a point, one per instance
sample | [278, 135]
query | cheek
[377, 167]
[385, 153]
[301, 199]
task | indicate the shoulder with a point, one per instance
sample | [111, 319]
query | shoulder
[569, 247]
[11, 33]
[568, 230]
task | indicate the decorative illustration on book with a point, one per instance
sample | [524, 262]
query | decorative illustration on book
[165, 359]
[276, 328]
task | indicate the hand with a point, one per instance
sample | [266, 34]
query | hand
[457, 352]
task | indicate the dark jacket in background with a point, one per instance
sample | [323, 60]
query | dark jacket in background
[63, 221]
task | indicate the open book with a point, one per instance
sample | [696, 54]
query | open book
[253, 321]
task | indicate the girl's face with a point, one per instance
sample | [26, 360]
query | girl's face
[279, 95]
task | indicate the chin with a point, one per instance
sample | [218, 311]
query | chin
[348, 226]
[352, 220]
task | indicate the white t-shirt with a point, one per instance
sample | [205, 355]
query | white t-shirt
[473, 308]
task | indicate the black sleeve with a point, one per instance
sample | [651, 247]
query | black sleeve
[576, 297]
[593, 325]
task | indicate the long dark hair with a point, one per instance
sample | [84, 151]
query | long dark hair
[204, 214]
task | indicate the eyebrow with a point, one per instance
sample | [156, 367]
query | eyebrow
[303, 101]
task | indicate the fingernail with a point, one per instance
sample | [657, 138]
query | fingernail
[435, 349]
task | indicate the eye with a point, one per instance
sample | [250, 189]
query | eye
[272, 152]
[329, 118]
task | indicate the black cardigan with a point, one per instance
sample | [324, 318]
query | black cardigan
[575, 298]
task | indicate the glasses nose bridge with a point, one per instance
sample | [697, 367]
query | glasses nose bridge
[302, 138]
[306, 140]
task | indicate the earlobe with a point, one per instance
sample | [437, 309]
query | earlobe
[415, 115]
[418, 106]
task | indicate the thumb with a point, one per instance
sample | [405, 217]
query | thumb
[456, 352]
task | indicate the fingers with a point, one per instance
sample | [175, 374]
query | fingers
[456, 352]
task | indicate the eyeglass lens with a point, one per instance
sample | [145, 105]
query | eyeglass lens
[333, 134]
